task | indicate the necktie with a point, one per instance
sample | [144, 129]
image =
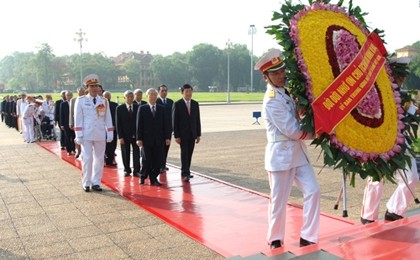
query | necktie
[130, 111]
[153, 111]
[164, 101]
[287, 92]
[94, 100]
[189, 107]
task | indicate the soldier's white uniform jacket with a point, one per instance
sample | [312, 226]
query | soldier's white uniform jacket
[48, 107]
[285, 148]
[92, 121]
[29, 114]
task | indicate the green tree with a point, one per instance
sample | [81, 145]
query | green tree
[205, 65]
[132, 69]
[173, 70]
[42, 66]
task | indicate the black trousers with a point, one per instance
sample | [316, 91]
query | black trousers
[126, 156]
[110, 150]
[165, 156]
[62, 138]
[69, 136]
[153, 160]
[187, 149]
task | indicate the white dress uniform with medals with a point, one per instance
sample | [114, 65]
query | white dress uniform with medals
[286, 159]
[93, 128]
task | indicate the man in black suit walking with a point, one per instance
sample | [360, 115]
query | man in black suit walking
[64, 116]
[167, 103]
[112, 146]
[187, 128]
[57, 118]
[153, 133]
[126, 128]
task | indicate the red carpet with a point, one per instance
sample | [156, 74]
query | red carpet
[233, 221]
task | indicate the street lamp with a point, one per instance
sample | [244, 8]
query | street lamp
[81, 37]
[228, 45]
[251, 31]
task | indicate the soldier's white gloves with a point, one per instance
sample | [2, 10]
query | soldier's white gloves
[109, 137]
[78, 140]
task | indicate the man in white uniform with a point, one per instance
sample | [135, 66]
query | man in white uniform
[286, 157]
[29, 115]
[93, 126]
[20, 107]
[406, 180]
[48, 106]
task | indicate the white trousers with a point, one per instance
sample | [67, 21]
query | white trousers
[281, 184]
[93, 153]
[29, 133]
[399, 200]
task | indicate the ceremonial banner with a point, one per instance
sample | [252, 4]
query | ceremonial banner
[350, 87]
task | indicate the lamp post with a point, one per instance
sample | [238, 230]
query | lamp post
[251, 31]
[81, 38]
[228, 45]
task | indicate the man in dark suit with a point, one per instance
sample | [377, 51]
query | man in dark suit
[125, 119]
[64, 116]
[167, 103]
[138, 96]
[57, 118]
[153, 133]
[112, 146]
[187, 128]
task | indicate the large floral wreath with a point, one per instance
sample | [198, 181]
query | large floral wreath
[319, 41]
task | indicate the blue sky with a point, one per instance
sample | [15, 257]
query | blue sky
[167, 26]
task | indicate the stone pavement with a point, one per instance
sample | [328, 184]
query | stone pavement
[44, 214]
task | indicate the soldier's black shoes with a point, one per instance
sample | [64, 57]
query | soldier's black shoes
[186, 178]
[275, 244]
[366, 221]
[392, 216]
[96, 188]
[155, 183]
[304, 242]
[86, 189]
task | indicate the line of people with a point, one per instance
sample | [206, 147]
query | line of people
[32, 116]
[143, 129]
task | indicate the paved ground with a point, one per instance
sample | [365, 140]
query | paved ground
[45, 214]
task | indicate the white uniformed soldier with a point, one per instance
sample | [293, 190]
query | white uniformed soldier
[406, 180]
[286, 158]
[93, 126]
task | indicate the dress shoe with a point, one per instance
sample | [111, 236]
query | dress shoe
[136, 174]
[126, 174]
[166, 169]
[304, 242]
[187, 178]
[142, 180]
[86, 188]
[366, 221]
[77, 155]
[275, 244]
[63, 148]
[155, 183]
[96, 188]
[191, 176]
[392, 216]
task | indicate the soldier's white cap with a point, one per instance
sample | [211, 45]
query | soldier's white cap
[270, 61]
[39, 101]
[91, 80]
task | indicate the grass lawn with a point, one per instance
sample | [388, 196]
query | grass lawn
[198, 96]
